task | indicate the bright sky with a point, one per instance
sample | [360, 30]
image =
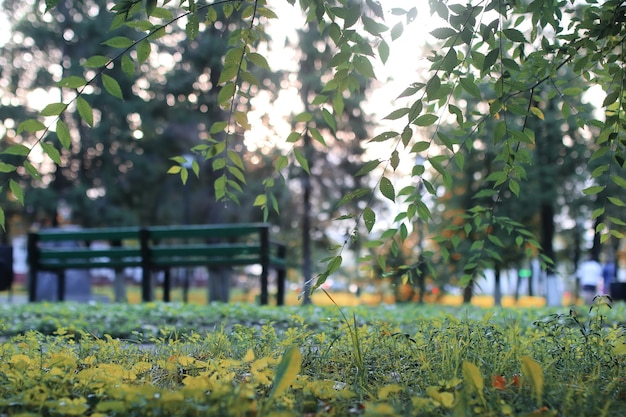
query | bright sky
[393, 77]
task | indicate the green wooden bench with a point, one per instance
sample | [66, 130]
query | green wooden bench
[158, 248]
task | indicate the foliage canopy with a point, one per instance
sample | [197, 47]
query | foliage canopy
[502, 54]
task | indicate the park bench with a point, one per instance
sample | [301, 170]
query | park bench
[158, 248]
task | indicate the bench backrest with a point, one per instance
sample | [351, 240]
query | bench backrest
[155, 247]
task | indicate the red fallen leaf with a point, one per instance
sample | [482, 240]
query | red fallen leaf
[498, 382]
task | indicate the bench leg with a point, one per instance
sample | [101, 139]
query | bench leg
[264, 284]
[280, 283]
[167, 284]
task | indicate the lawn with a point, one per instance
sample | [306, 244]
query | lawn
[198, 295]
[240, 359]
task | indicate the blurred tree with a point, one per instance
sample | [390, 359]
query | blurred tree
[554, 166]
[333, 150]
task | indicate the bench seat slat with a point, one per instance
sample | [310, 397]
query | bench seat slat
[85, 253]
[126, 233]
[158, 248]
[86, 264]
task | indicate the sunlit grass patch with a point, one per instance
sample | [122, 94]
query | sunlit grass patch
[240, 359]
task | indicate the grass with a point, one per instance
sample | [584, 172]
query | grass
[240, 359]
[343, 298]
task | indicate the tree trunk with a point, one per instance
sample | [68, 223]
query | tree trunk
[306, 238]
[119, 286]
[553, 296]
[468, 291]
[307, 270]
[219, 284]
[421, 278]
[497, 294]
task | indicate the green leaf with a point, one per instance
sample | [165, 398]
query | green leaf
[433, 86]
[63, 133]
[143, 51]
[334, 264]
[352, 16]
[258, 60]
[162, 13]
[338, 103]
[317, 135]
[499, 131]
[396, 114]
[597, 213]
[395, 159]
[84, 110]
[53, 109]
[112, 86]
[443, 33]
[621, 182]
[293, 137]
[128, 66]
[119, 42]
[260, 200]
[532, 371]
[616, 202]
[450, 61]
[150, 6]
[473, 378]
[226, 93]
[17, 149]
[514, 35]
[537, 112]
[72, 81]
[416, 109]
[228, 10]
[369, 218]
[383, 51]
[96, 61]
[616, 221]
[52, 152]
[594, 189]
[420, 147]
[471, 87]
[490, 59]
[218, 127]
[329, 119]
[382, 137]
[32, 171]
[514, 187]
[235, 158]
[367, 168]
[387, 189]
[17, 191]
[30, 126]
[364, 66]
[242, 120]
[220, 187]
[6, 168]
[303, 117]
[396, 31]
[425, 120]
[193, 26]
[302, 160]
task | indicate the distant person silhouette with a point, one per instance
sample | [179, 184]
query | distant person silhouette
[590, 275]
